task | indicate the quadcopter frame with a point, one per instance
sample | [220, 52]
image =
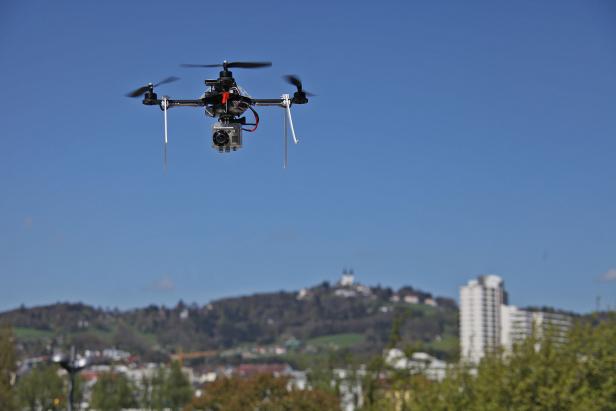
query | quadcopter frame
[227, 101]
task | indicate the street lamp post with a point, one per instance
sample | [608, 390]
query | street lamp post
[72, 365]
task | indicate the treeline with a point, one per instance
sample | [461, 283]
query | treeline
[540, 374]
[261, 318]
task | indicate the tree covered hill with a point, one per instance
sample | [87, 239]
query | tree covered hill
[262, 319]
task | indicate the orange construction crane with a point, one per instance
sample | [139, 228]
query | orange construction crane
[181, 356]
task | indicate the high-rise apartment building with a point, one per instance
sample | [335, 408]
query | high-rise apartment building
[480, 316]
[487, 322]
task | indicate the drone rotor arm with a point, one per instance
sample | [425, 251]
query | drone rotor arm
[184, 103]
[187, 103]
[277, 101]
[268, 102]
[211, 99]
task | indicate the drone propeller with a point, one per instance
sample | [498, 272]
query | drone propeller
[294, 80]
[142, 90]
[233, 64]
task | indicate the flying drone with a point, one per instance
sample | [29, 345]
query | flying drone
[227, 101]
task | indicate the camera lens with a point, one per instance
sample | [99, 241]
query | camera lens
[221, 138]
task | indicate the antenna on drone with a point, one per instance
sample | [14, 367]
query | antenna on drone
[151, 98]
[288, 121]
[164, 104]
[285, 143]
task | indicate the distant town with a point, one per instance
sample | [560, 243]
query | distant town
[487, 323]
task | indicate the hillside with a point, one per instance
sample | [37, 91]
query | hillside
[351, 317]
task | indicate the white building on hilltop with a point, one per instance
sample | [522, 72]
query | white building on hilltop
[480, 316]
[347, 279]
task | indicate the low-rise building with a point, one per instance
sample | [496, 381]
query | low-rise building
[519, 324]
[430, 302]
[419, 362]
[411, 299]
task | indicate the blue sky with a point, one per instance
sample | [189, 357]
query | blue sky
[448, 139]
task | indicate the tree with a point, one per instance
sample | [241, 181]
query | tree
[8, 367]
[113, 392]
[542, 373]
[145, 395]
[262, 392]
[168, 388]
[158, 398]
[178, 388]
[372, 384]
[41, 388]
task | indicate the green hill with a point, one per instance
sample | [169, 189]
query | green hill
[325, 318]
